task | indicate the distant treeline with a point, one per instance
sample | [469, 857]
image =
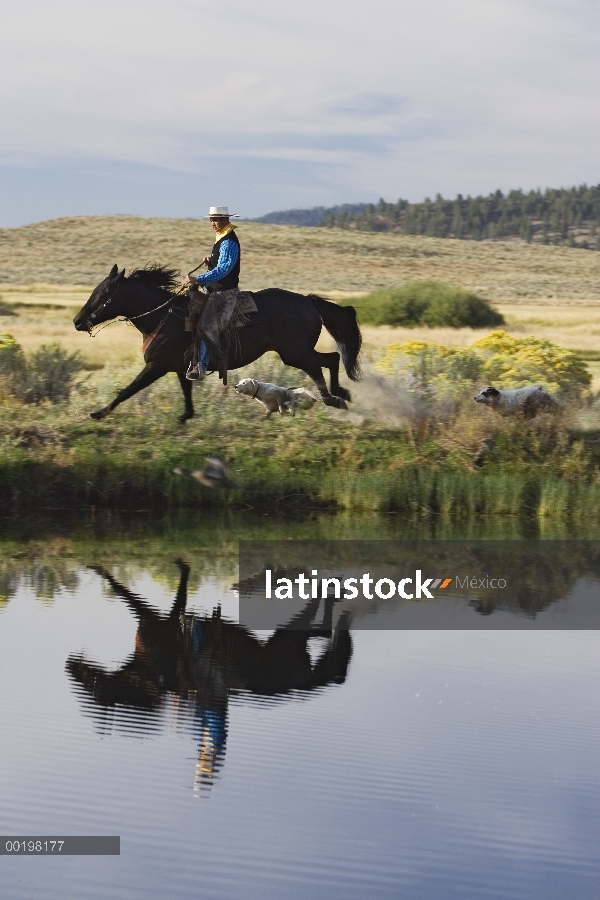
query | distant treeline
[309, 217]
[569, 216]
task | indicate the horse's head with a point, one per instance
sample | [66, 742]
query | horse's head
[101, 307]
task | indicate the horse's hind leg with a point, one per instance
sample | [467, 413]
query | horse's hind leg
[317, 376]
[313, 363]
[333, 364]
[186, 387]
[147, 376]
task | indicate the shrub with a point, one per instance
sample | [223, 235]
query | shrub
[432, 371]
[513, 362]
[47, 374]
[9, 349]
[50, 373]
[430, 303]
[12, 363]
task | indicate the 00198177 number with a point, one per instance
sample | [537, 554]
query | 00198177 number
[34, 846]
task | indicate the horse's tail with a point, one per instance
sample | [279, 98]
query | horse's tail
[340, 322]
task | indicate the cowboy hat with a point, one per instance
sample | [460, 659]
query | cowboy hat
[218, 212]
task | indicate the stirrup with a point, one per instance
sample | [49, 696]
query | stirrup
[194, 373]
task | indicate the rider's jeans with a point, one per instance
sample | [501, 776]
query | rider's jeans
[204, 356]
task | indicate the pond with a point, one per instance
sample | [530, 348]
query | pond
[334, 762]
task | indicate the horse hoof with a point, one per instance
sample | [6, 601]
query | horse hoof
[336, 402]
[100, 414]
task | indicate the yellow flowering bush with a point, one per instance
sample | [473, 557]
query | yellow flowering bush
[434, 371]
[512, 362]
[6, 341]
[431, 371]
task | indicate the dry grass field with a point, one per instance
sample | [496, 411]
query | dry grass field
[48, 269]
[81, 251]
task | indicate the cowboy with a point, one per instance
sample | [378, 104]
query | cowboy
[223, 274]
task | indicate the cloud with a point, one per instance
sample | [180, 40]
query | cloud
[370, 105]
[387, 98]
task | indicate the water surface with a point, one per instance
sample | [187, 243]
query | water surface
[325, 764]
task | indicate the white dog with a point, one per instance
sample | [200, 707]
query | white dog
[275, 398]
[527, 401]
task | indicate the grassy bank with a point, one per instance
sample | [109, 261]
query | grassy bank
[375, 458]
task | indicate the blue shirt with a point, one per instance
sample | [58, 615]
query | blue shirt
[229, 252]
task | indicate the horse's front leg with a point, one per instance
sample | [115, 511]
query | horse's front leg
[181, 599]
[149, 374]
[186, 387]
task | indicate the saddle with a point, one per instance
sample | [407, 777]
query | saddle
[219, 314]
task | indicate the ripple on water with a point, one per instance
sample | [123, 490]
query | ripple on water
[367, 787]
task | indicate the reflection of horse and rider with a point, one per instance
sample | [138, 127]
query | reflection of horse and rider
[203, 659]
[215, 326]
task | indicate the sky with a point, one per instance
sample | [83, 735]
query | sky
[165, 107]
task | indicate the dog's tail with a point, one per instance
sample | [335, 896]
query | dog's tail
[340, 322]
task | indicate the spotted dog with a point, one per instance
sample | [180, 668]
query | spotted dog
[526, 401]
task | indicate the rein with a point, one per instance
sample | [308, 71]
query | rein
[126, 318]
[131, 318]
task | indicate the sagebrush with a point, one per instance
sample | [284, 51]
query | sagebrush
[46, 374]
[431, 303]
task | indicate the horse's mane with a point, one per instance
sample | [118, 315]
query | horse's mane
[155, 276]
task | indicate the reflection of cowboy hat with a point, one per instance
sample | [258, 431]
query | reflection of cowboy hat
[218, 212]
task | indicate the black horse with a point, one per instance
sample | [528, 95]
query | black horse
[289, 324]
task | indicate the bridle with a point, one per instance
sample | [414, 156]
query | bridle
[110, 300]
[125, 318]
[104, 305]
